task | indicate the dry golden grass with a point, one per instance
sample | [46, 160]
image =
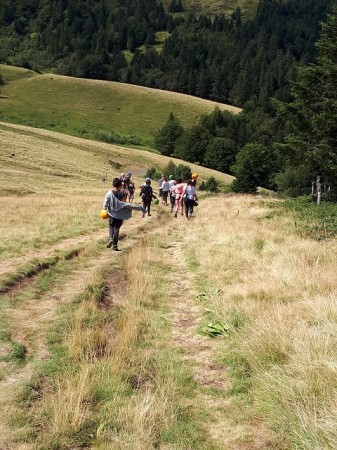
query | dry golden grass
[121, 382]
[68, 408]
[51, 188]
[127, 359]
[251, 265]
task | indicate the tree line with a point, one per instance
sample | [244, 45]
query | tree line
[284, 147]
[262, 65]
[224, 59]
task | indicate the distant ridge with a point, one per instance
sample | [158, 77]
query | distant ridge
[85, 107]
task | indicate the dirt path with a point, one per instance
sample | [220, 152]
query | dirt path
[200, 355]
[32, 320]
[35, 317]
[199, 351]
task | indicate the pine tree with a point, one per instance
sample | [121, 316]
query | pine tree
[310, 149]
[166, 137]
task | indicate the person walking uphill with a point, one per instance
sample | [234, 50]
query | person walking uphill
[147, 195]
[118, 211]
[189, 197]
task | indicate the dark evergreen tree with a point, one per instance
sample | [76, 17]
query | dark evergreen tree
[167, 136]
[252, 168]
[220, 154]
[310, 149]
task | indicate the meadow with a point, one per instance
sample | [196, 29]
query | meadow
[213, 333]
[93, 108]
[219, 7]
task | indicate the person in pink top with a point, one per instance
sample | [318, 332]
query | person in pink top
[178, 191]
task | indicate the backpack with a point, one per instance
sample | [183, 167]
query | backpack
[146, 192]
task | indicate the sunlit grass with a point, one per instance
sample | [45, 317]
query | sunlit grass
[85, 108]
[282, 289]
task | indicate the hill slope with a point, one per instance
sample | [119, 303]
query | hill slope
[211, 333]
[88, 107]
[47, 174]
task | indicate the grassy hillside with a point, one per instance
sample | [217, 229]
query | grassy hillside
[212, 7]
[87, 107]
[213, 333]
[47, 175]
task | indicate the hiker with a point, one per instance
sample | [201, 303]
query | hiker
[118, 211]
[160, 185]
[189, 197]
[147, 195]
[165, 190]
[178, 193]
[171, 192]
[132, 189]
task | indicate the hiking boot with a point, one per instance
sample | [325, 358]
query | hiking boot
[175, 215]
[116, 248]
[149, 214]
[110, 243]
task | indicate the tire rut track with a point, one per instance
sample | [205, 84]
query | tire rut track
[35, 317]
[8, 266]
[199, 354]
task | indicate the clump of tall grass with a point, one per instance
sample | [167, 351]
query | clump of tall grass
[282, 356]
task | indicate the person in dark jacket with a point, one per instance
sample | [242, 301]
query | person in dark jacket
[146, 192]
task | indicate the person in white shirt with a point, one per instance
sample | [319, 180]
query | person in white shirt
[171, 192]
[160, 186]
[165, 190]
[189, 197]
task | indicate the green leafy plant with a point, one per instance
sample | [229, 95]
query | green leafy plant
[214, 329]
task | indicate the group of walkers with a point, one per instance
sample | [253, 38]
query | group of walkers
[118, 202]
[182, 195]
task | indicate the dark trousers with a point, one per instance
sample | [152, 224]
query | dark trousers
[172, 201]
[165, 195]
[114, 226]
[188, 206]
[147, 204]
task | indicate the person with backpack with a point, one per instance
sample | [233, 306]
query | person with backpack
[189, 197]
[118, 211]
[132, 189]
[146, 192]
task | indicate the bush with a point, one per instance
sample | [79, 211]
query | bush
[184, 172]
[212, 185]
[115, 138]
[170, 169]
[153, 173]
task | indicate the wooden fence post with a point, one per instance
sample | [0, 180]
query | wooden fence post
[318, 190]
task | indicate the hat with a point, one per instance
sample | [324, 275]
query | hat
[195, 175]
[129, 174]
[148, 180]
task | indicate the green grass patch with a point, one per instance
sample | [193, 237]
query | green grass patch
[219, 7]
[90, 108]
[317, 222]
